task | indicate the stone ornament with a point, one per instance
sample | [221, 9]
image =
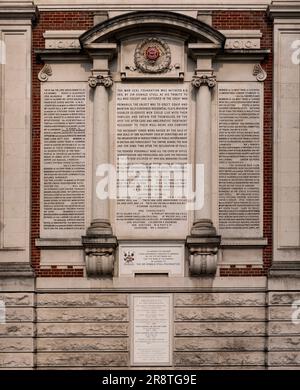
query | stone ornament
[153, 55]
[259, 72]
[105, 81]
[210, 81]
[45, 73]
[99, 261]
[203, 260]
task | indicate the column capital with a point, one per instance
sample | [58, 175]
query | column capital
[204, 79]
[105, 81]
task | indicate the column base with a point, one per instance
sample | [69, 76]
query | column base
[203, 245]
[99, 247]
[99, 227]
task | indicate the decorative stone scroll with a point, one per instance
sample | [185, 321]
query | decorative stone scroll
[94, 81]
[45, 73]
[209, 80]
[259, 72]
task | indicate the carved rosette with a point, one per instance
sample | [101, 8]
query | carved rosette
[153, 55]
[45, 73]
[105, 81]
[204, 79]
[259, 72]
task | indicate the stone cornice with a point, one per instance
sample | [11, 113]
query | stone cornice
[18, 10]
[284, 9]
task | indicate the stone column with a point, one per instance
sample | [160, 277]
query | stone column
[99, 243]
[203, 243]
[100, 207]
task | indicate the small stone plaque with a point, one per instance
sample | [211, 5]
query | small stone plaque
[151, 341]
[151, 258]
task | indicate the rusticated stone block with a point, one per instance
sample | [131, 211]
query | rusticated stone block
[221, 299]
[284, 343]
[191, 359]
[82, 344]
[220, 329]
[220, 314]
[283, 328]
[284, 358]
[283, 298]
[82, 314]
[16, 344]
[81, 329]
[16, 329]
[19, 314]
[16, 360]
[17, 299]
[82, 300]
[220, 343]
[281, 313]
[82, 359]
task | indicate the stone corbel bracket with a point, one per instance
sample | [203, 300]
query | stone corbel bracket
[99, 255]
[203, 254]
[203, 245]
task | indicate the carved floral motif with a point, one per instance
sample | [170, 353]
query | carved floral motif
[153, 55]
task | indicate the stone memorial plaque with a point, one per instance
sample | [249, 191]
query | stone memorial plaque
[240, 159]
[63, 194]
[152, 130]
[151, 258]
[151, 338]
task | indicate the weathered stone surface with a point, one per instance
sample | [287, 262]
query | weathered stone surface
[219, 343]
[281, 313]
[283, 298]
[82, 329]
[17, 299]
[219, 358]
[19, 314]
[15, 360]
[86, 359]
[20, 344]
[15, 329]
[85, 300]
[82, 344]
[82, 314]
[284, 328]
[284, 358]
[284, 343]
[220, 329]
[224, 299]
[17, 284]
[220, 314]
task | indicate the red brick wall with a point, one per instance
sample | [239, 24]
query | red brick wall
[47, 21]
[83, 21]
[235, 20]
